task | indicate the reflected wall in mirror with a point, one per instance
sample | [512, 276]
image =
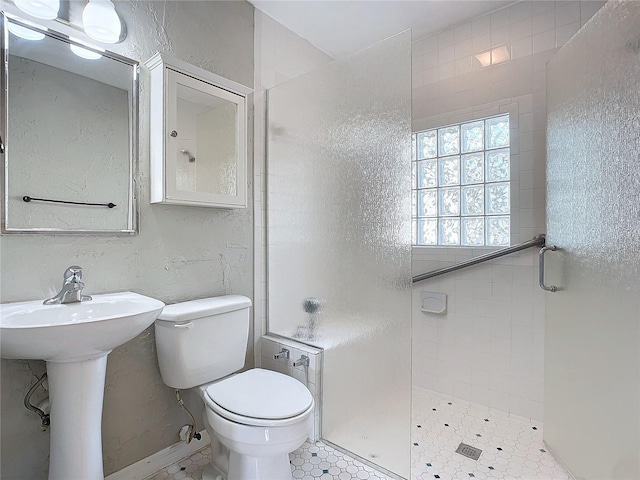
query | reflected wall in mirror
[70, 134]
[206, 142]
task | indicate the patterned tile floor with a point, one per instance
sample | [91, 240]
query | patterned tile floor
[310, 462]
[189, 468]
[512, 448]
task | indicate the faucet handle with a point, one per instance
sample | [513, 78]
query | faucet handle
[74, 271]
[283, 353]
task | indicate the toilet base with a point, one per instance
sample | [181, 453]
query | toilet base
[210, 472]
[244, 467]
[219, 466]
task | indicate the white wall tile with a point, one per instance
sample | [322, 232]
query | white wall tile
[499, 400]
[500, 36]
[462, 32]
[480, 395]
[481, 25]
[588, 10]
[481, 42]
[567, 12]
[446, 54]
[544, 22]
[429, 44]
[521, 29]
[536, 411]
[520, 11]
[544, 41]
[564, 33]
[542, 6]
[520, 406]
[522, 47]
[446, 38]
[501, 18]
[462, 390]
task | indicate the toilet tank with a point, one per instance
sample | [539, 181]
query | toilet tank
[202, 340]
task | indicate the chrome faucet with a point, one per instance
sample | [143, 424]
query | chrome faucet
[303, 361]
[284, 353]
[71, 288]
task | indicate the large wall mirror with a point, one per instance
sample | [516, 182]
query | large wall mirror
[69, 129]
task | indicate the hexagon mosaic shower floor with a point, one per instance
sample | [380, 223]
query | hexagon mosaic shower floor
[512, 448]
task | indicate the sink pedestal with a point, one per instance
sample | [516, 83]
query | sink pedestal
[76, 391]
[75, 339]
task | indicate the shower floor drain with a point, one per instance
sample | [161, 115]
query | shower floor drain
[469, 451]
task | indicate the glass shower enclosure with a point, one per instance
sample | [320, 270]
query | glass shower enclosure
[592, 330]
[339, 241]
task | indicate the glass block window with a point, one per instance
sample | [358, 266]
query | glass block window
[460, 184]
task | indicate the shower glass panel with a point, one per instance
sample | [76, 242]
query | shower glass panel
[339, 234]
[592, 329]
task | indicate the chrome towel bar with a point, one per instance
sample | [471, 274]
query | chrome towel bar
[537, 241]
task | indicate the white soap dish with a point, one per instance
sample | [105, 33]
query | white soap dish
[432, 302]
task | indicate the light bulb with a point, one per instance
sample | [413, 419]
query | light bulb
[101, 21]
[24, 32]
[84, 53]
[45, 9]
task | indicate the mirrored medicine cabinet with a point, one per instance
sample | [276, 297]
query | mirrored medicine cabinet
[198, 136]
[69, 131]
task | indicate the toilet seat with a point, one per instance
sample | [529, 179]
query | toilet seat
[260, 397]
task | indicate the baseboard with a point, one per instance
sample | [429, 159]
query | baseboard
[159, 460]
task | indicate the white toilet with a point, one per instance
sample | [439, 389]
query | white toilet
[254, 418]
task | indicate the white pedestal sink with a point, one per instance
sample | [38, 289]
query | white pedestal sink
[75, 339]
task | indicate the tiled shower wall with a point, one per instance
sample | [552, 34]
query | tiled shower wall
[489, 346]
[280, 55]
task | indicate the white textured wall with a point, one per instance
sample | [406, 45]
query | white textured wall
[181, 253]
[489, 347]
[280, 55]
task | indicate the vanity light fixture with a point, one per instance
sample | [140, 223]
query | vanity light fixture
[84, 52]
[101, 21]
[44, 9]
[24, 32]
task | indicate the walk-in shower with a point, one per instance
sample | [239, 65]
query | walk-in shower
[339, 258]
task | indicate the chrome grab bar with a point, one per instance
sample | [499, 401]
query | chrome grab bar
[537, 241]
[544, 250]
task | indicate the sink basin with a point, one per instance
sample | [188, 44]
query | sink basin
[74, 331]
[75, 340]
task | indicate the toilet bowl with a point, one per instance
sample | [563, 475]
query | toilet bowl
[254, 418]
[260, 416]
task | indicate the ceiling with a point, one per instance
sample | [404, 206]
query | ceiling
[343, 27]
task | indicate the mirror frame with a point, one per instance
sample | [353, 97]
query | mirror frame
[132, 217]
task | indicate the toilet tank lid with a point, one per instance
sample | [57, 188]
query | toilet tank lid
[185, 311]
